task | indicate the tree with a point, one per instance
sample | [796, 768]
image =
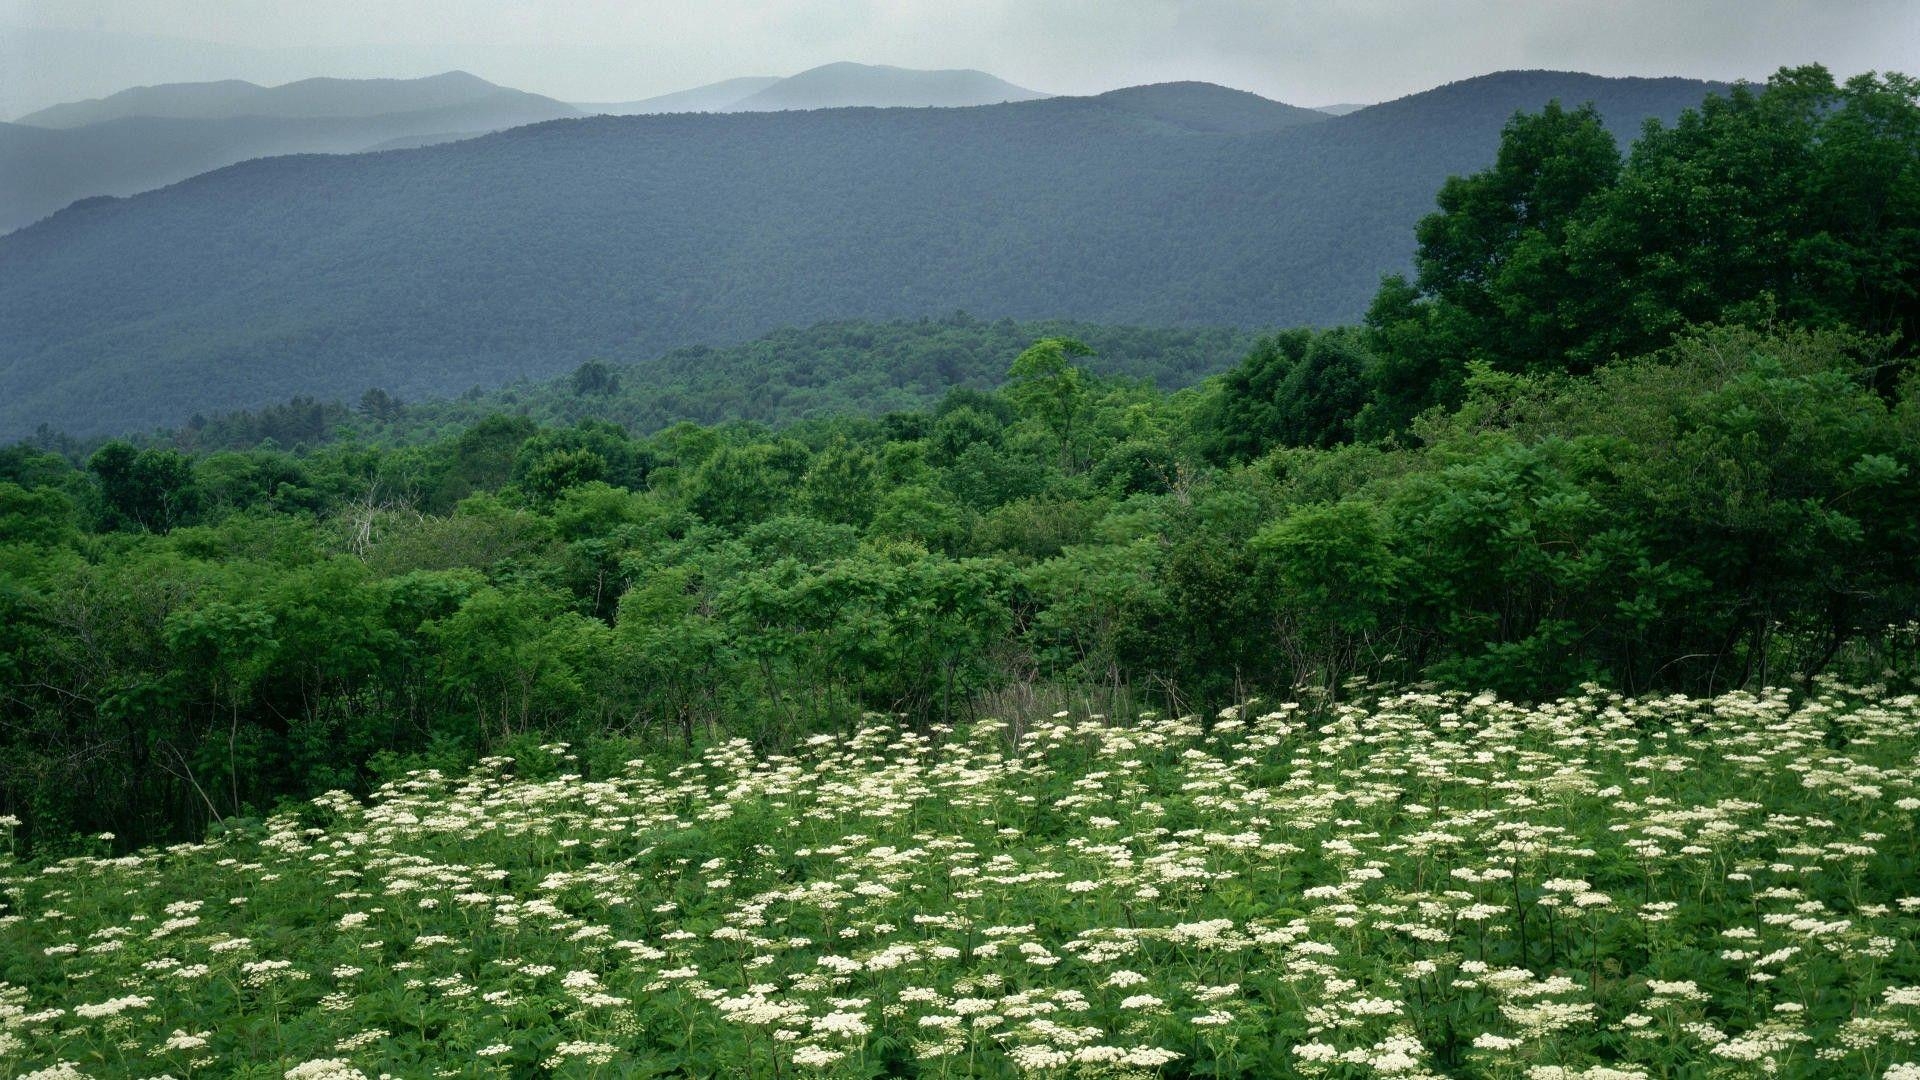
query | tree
[482, 458]
[1297, 388]
[1493, 280]
[595, 378]
[378, 405]
[514, 659]
[227, 648]
[40, 516]
[146, 489]
[557, 470]
[1796, 201]
[842, 484]
[1044, 384]
[739, 485]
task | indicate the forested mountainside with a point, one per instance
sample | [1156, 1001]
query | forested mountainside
[149, 137]
[525, 253]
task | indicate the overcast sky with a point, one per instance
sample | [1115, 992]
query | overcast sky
[1309, 52]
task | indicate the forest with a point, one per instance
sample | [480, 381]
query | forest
[1647, 421]
[830, 369]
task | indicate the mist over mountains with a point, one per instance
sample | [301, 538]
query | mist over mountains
[524, 252]
[721, 96]
[149, 136]
[833, 86]
[307, 98]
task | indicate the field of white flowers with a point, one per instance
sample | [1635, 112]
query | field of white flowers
[1416, 885]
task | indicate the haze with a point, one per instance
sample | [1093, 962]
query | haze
[1309, 53]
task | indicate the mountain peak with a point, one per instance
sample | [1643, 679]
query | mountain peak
[1204, 106]
[839, 84]
[845, 83]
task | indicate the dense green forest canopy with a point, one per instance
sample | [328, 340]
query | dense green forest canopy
[792, 374]
[1798, 201]
[527, 253]
[189, 635]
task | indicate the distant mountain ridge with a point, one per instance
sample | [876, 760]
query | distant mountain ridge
[148, 137]
[525, 252]
[713, 97]
[833, 86]
[841, 85]
[304, 99]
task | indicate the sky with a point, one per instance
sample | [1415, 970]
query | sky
[1307, 52]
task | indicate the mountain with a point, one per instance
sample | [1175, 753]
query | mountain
[832, 86]
[1341, 109]
[1484, 99]
[110, 147]
[1198, 106]
[308, 98]
[42, 66]
[525, 252]
[713, 97]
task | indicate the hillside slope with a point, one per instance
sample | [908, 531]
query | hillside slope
[525, 252]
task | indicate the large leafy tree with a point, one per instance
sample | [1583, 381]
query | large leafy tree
[1499, 236]
[1045, 384]
[144, 489]
[1800, 200]
[1297, 388]
[1491, 279]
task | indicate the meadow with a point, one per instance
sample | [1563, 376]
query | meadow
[1404, 884]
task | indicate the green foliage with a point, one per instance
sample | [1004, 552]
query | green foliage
[143, 489]
[1737, 508]
[593, 379]
[1043, 383]
[482, 458]
[1798, 200]
[1298, 388]
[842, 484]
[816, 372]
